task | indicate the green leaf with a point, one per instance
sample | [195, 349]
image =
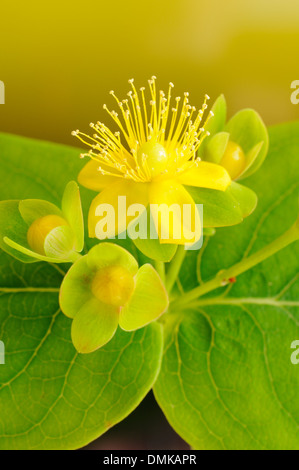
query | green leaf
[227, 381]
[51, 397]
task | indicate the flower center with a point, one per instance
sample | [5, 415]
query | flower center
[40, 228]
[153, 157]
[233, 160]
[113, 285]
[162, 135]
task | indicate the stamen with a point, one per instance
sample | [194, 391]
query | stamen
[177, 128]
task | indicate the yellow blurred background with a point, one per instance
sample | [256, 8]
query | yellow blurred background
[59, 59]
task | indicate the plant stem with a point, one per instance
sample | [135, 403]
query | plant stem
[223, 277]
[174, 267]
[160, 268]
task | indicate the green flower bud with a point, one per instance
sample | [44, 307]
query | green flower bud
[113, 285]
[241, 145]
[36, 230]
[104, 289]
[39, 230]
[233, 160]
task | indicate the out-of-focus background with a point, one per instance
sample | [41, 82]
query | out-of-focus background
[59, 59]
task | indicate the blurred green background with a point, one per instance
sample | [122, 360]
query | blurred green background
[59, 59]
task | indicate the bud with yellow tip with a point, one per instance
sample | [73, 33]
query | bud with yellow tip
[37, 230]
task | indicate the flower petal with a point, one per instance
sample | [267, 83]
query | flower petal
[94, 325]
[32, 209]
[91, 178]
[72, 210]
[246, 198]
[149, 245]
[247, 129]
[108, 254]
[148, 302]
[175, 214]
[75, 289]
[220, 209]
[114, 201]
[206, 175]
[59, 243]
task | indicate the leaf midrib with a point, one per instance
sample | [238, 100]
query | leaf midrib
[16, 290]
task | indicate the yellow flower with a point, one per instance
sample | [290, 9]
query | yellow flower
[152, 158]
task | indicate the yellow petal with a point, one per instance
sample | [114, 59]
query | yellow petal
[174, 212]
[108, 210]
[91, 178]
[206, 175]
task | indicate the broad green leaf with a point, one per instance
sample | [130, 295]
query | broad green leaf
[227, 381]
[51, 397]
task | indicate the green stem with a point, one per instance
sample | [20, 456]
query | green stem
[174, 267]
[223, 277]
[160, 268]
